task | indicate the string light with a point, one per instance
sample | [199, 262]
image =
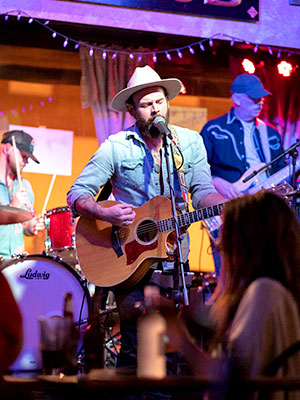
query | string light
[91, 52]
[168, 55]
[104, 55]
[192, 51]
[179, 53]
[131, 55]
[24, 109]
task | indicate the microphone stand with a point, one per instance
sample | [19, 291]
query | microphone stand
[291, 150]
[178, 264]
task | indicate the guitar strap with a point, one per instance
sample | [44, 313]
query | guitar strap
[178, 162]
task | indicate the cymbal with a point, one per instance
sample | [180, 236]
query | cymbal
[13, 215]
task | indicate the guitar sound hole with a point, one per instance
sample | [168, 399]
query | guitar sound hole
[147, 231]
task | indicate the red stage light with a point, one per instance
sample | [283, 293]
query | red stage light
[284, 68]
[248, 66]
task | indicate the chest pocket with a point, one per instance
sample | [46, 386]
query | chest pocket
[132, 173]
[188, 171]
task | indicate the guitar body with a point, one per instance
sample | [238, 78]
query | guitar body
[244, 186]
[111, 256]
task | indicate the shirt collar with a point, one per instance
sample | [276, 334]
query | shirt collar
[133, 132]
[231, 116]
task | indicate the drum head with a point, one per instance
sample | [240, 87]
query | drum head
[39, 284]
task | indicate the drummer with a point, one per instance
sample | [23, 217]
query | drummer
[16, 192]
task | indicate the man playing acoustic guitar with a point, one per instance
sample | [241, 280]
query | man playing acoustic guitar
[118, 242]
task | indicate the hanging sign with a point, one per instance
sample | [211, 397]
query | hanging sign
[244, 10]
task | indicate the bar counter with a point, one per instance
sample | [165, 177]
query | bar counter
[110, 384]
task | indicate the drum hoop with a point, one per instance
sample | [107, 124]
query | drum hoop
[59, 261]
[57, 210]
[60, 249]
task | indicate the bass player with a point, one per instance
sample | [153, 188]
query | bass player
[238, 143]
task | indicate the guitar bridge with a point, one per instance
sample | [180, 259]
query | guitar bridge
[115, 241]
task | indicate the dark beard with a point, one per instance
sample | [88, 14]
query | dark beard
[148, 130]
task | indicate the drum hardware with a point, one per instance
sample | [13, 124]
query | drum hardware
[111, 340]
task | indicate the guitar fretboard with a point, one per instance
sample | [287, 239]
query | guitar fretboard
[168, 224]
[274, 179]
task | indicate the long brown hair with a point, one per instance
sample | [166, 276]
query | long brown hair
[260, 237]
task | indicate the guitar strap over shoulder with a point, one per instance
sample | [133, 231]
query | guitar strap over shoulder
[178, 162]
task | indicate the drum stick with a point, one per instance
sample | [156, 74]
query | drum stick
[17, 162]
[49, 192]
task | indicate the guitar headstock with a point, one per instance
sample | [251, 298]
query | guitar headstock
[283, 190]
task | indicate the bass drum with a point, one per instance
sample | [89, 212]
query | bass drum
[39, 284]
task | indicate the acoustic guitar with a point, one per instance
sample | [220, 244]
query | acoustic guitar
[113, 256]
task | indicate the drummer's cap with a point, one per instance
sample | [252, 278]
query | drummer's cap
[24, 142]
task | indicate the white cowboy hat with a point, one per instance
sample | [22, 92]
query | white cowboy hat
[144, 77]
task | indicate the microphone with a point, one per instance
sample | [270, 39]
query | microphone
[160, 124]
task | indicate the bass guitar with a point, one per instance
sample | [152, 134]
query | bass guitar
[253, 185]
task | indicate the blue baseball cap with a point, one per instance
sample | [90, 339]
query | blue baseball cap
[250, 85]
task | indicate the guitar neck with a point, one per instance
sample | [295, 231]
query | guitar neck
[187, 219]
[274, 179]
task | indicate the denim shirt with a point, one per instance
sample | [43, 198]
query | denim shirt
[11, 236]
[125, 160]
[224, 141]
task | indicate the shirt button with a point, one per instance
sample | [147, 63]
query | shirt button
[243, 156]
[241, 142]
